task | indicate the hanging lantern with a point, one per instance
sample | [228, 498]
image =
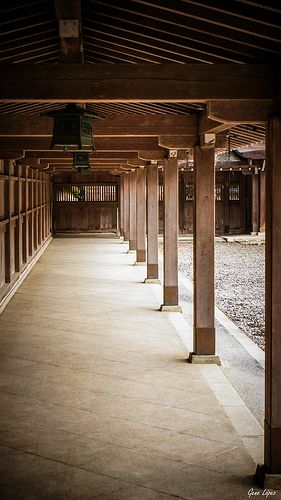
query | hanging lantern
[81, 161]
[72, 128]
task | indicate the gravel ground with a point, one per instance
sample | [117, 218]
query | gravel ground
[239, 283]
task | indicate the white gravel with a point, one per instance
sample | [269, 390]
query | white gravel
[239, 283]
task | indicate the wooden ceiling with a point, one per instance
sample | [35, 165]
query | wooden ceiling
[136, 33]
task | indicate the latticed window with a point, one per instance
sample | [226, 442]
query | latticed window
[234, 192]
[88, 192]
[218, 192]
[161, 192]
[189, 192]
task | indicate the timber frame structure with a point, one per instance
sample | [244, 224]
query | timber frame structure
[175, 82]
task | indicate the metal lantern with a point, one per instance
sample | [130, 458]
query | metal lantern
[72, 128]
[81, 161]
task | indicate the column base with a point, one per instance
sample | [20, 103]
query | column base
[266, 480]
[130, 251]
[152, 281]
[165, 308]
[139, 263]
[203, 359]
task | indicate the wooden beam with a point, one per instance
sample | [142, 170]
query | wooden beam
[188, 142]
[242, 111]
[102, 143]
[149, 155]
[68, 14]
[11, 154]
[42, 155]
[137, 83]
[208, 126]
[127, 125]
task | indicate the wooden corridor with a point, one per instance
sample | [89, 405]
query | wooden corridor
[96, 399]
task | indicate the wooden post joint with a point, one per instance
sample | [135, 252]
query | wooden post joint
[207, 141]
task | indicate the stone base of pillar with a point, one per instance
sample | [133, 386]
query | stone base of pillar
[152, 280]
[267, 481]
[137, 263]
[204, 359]
[165, 308]
[121, 238]
[254, 233]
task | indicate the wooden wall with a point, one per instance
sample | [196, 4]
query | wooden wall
[85, 203]
[25, 219]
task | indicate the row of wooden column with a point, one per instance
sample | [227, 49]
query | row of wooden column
[269, 474]
[139, 216]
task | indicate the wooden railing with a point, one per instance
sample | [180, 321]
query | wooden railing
[25, 217]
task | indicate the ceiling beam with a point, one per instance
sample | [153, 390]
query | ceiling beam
[115, 155]
[102, 143]
[242, 111]
[120, 126]
[137, 83]
[68, 14]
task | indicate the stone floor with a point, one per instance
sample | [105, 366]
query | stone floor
[96, 397]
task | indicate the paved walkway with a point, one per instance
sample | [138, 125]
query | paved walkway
[97, 400]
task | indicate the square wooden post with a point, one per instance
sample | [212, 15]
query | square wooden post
[152, 223]
[269, 475]
[262, 203]
[171, 223]
[133, 211]
[255, 204]
[141, 217]
[9, 251]
[204, 257]
[18, 241]
[126, 202]
[120, 204]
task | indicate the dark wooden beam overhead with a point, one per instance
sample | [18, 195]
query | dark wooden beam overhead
[50, 155]
[68, 14]
[130, 126]
[242, 111]
[137, 83]
[102, 143]
[8, 154]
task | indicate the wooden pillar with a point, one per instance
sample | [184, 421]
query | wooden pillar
[269, 475]
[8, 233]
[225, 201]
[141, 216]
[126, 207]
[255, 204]
[18, 241]
[43, 206]
[31, 219]
[204, 257]
[171, 217]
[119, 205]
[39, 208]
[132, 210]
[152, 223]
[181, 202]
[26, 219]
[262, 203]
[35, 209]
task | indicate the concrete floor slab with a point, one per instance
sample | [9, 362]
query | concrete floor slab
[97, 399]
